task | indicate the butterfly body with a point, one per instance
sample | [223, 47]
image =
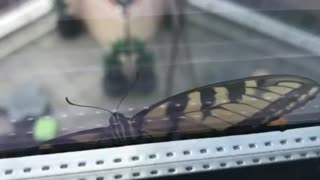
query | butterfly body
[239, 104]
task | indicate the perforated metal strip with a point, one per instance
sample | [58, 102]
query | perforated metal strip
[163, 159]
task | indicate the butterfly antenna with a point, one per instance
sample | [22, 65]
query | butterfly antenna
[85, 106]
[129, 90]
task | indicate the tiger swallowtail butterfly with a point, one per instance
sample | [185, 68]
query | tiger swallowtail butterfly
[250, 102]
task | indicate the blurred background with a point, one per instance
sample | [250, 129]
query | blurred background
[91, 51]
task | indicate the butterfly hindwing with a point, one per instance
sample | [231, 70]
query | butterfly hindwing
[254, 101]
[83, 137]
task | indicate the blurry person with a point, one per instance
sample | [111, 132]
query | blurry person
[106, 21]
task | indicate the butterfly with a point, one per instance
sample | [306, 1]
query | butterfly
[243, 103]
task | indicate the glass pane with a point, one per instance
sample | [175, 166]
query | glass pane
[133, 56]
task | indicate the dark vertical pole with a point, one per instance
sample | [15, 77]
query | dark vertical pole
[179, 31]
[126, 13]
[185, 39]
[174, 50]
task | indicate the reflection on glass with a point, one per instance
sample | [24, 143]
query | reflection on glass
[141, 52]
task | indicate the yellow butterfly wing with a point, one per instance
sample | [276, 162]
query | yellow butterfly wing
[249, 102]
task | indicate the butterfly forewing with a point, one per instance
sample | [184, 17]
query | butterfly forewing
[254, 101]
[250, 102]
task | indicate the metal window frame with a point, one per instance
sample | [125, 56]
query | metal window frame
[23, 15]
[260, 23]
[24, 24]
[168, 158]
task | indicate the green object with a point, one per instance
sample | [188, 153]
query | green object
[124, 46]
[45, 129]
[116, 82]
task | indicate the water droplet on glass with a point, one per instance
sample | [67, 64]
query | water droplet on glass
[196, 116]
[30, 119]
[269, 98]
[244, 112]
[80, 114]
[12, 134]
[193, 104]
